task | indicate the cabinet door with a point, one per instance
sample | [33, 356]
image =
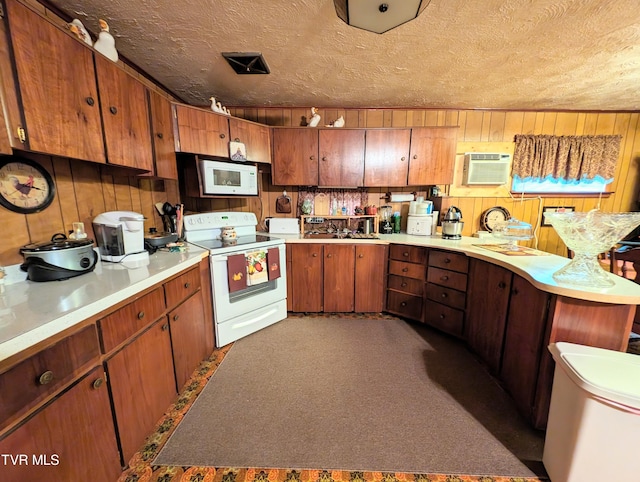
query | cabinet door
[433, 155]
[188, 337]
[487, 302]
[386, 160]
[164, 153]
[306, 277]
[370, 261]
[125, 115]
[142, 385]
[339, 277]
[73, 438]
[341, 154]
[59, 97]
[523, 342]
[295, 157]
[201, 131]
[256, 138]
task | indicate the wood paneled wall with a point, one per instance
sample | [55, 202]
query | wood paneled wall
[485, 131]
[83, 190]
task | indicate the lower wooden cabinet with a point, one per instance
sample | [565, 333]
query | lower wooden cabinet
[405, 285]
[370, 278]
[142, 383]
[72, 439]
[339, 265]
[306, 277]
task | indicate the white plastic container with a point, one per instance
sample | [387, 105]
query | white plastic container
[594, 418]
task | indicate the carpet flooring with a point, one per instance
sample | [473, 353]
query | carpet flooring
[356, 395]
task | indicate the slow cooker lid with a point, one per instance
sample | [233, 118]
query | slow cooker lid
[58, 242]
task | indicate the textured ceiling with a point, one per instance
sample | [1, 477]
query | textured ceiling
[502, 54]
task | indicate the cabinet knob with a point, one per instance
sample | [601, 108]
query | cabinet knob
[97, 383]
[222, 136]
[165, 327]
[46, 377]
[447, 260]
[176, 317]
[444, 278]
[361, 255]
[404, 270]
[515, 291]
[501, 285]
[315, 255]
[403, 284]
[403, 158]
[141, 315]
[236, 140]
[405, 254]
[442, 316]
[187, 284]
[90, 101]
[443, 295]
[113, 109]
[324, 159]
[403, 304]
[159, 134]
[329, 255]
[415, 156]
[312, 157]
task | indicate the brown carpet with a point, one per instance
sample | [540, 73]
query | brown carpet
[354, 394]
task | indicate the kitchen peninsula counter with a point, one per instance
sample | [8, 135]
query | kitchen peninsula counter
[538, 270]
[32, 312]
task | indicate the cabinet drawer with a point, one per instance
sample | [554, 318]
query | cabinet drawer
[446, 296]
[408, 285]
[405, 305]
[444, 318]
[130, 319]
[32, 380]
[412, 254]
[410, 270]
[180, 288]
[447, 260]
[449, 279]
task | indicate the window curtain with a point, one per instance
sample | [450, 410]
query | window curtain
[565, 159]
[349, 199]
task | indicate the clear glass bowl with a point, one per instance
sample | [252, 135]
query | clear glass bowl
[513, 231]
[587, 235]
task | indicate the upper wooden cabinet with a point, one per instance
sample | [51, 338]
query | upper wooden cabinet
[200, 131]
[295, 157]
[164, 153]
[386, 161]
[432, 156]
[255, 137]
[341, 157]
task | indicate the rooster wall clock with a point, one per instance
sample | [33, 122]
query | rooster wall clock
[25, 186]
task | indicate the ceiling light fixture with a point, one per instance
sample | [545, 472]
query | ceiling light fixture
[379, 16]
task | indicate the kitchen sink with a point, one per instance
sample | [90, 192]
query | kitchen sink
[340, 236]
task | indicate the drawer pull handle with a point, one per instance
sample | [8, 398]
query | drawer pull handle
[442, 317]
[444, 295]
[311, 158]
[447, 260]
[97, 383]
[403, 304]
[403, 158]
[515, 291]
[405, 254]
[444, 278]
[159, 134]
[176, 317]
[404, 270]
[415, 156]
[403, 284]
[324, 158]
[165, 327]
[141, 315]
[187, 284]
[46, 377]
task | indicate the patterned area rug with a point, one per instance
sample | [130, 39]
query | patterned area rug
[140, 468]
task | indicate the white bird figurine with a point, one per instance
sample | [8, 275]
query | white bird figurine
[226, 111]
[339, 122]
[214, 107]
[79, 31]
[106, 44]
[315, 118]
[219, 109]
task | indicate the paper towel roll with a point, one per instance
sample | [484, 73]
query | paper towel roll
[399, 197]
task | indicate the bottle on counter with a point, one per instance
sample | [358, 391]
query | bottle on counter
[397, 221]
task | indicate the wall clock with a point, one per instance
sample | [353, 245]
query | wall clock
[492, 216]
[25, 186]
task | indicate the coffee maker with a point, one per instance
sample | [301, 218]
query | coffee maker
[120, 236]
[452, 224]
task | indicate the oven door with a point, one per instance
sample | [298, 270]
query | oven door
[243, 312]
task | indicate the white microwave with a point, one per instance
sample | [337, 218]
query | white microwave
[226, 178]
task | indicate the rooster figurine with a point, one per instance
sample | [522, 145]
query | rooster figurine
[339, 122]
[79, 31]
[106, 44]
[315, 118]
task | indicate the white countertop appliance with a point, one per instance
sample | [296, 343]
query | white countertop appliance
[283, 225]
[249, 276]
[120, 236]
[228, 178]
[421, 224]
[452, 224]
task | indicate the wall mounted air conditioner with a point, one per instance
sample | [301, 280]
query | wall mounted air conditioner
[486, 168]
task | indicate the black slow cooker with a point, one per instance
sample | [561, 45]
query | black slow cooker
[58, 259]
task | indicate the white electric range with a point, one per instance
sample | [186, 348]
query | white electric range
[248, 274]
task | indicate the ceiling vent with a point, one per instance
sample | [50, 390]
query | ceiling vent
[486, 168]
[246, 62]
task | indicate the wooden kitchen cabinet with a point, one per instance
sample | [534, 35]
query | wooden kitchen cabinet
[73, 438]
[255, 137]
[295, 157]
[306, 277]
[58, 88]
[200, 131]
[341, 157]
[142, 382]
[339, 278]
[407, 275]
[164, 154]
[370, 278]
[432, 156]
[386, 160]
[487, 302]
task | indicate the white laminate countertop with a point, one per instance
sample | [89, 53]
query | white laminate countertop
[31, 312]
[536, 269]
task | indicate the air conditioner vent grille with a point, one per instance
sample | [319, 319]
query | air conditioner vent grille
[486, 168]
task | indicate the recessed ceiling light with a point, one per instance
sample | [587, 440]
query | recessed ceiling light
[246, 62]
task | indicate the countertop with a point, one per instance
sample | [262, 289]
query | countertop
[538, 270]
[31, 312]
